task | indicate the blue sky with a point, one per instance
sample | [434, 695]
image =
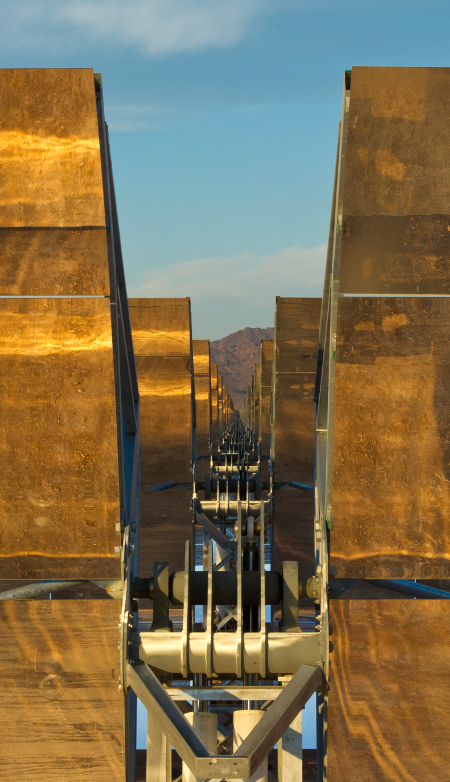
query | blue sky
[223, 118]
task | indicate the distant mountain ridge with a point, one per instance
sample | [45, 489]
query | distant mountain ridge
[236, 356]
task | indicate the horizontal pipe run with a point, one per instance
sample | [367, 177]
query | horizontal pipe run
[42, 588]
[224, 587]
[284, 652]
[223, 508]
[410, 588]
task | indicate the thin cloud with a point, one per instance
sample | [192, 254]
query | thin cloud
[291, 272]
[160, 27]
[155, 27]
[123, 118]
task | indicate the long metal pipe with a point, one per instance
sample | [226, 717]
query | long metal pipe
[30, 591]
[410, 588]
[284, 652]
[224, 508]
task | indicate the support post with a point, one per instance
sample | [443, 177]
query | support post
[290, 760]
[243, 723]
[161, 622]
[159, 752]
[204, 725]
[290, 598]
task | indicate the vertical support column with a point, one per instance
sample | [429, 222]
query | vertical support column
[239, 628]
[290, 598]
[243, 723]
[209, 614]
[159, 753]
[205, 727]
[290, 760]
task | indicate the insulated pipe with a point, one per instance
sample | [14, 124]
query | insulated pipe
[284, 652]
[232, 470]
[223, 508]
[40, 589]
[224, 587]
[410, 588]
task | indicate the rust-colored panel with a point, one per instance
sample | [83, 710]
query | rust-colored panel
[163, 365]
[202, 404]
[214, 402]
[398, 143]
[202, 382]
[389, 712]
[59, 494]
[295, 357]
[166, 427]
[390, 500]
[252, 403]
[200, 350]
[296, 335]
[50, 170]
[294, 530]
[265, 401]
[386, 254]
[161, 327]
[63, 714]
[395, 226]
[257, 397]
[294, 421]
[53, 262]
[166, 524]
[292, 445]
[214, 377]
[162, 341]
[220, 403]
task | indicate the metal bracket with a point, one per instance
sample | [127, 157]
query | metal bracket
[290, 598]
[161, 622]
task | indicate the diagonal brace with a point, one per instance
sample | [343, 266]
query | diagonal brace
[214, 533]
[256, 746]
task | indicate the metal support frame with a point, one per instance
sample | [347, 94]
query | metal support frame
[226, 595]
[256, 746]
[324, 397]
